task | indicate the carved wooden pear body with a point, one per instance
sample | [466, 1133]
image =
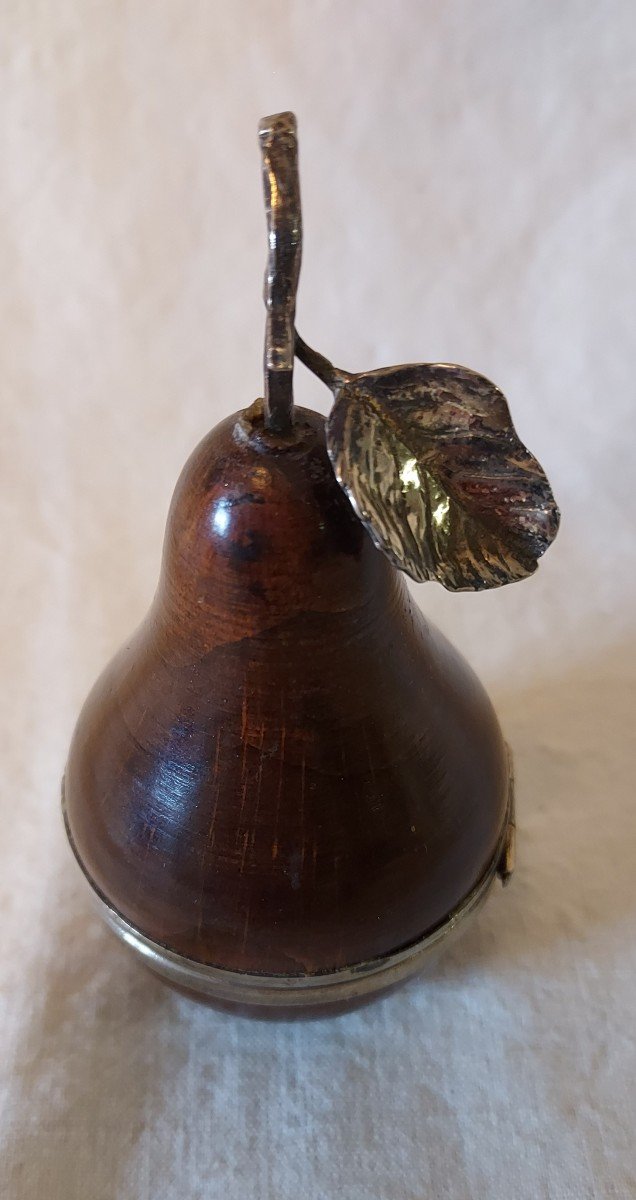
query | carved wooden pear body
[286, 771]
[288, 788]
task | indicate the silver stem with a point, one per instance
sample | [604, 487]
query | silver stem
[333, 377]
[279, 148]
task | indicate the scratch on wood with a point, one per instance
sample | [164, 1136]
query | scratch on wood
[146, 851]
[217, 789]
[246, 926]
[301, 808]
[209, 843]
[280, 774]
[259, 776]
[246, 836]
[376, 805]
[243, 781]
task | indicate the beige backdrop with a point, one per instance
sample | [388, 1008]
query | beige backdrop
[467, 197]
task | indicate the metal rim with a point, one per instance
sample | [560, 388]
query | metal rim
[294, 991]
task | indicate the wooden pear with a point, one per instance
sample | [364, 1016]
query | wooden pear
[287, 786]
[286, 771]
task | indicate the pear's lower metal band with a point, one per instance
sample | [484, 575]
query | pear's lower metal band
[294, 991]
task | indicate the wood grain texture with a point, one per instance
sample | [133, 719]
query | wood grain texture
[286, 769]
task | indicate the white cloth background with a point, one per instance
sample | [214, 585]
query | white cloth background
[466, 184]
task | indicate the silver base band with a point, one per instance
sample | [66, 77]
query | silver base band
[293, 991]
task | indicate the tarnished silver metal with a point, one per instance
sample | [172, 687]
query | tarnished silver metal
[298, 991]
[292, 990]
[279, 149]
[431, 462]
[427, 453]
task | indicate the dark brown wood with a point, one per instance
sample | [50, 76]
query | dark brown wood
[286, 770]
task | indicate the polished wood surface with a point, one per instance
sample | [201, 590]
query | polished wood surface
[286, 770]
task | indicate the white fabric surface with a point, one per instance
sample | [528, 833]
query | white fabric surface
[466, 180]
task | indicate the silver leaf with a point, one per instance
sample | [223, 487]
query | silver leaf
[431, 462]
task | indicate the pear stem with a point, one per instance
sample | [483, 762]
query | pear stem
[279, 149]
[333, 377]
